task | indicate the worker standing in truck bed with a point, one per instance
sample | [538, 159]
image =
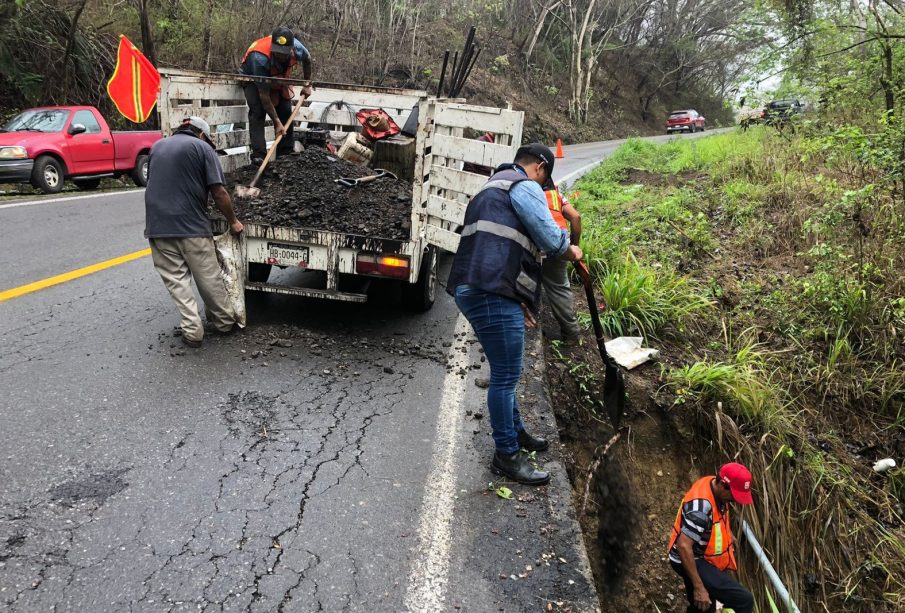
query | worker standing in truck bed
[272, 56]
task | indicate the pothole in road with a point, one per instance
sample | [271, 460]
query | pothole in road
[97, 486]
[249, 413]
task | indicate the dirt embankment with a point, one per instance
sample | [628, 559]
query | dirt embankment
[635, 489]
[303, 191]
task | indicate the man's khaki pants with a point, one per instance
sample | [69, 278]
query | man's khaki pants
[179, 260]
[559, 294]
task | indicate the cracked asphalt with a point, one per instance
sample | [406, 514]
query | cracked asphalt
[284, 468]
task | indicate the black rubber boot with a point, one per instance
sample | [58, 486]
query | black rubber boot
[517, 468]
[529, 443]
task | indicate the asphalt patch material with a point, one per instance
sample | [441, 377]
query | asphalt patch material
[302, 191]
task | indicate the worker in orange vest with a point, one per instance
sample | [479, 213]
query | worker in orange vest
[272, 56]
[701, 547]
[555, 277]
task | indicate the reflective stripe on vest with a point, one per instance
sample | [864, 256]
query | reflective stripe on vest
[482, 225]
[720, 548]
[263, 46]
[555, 204]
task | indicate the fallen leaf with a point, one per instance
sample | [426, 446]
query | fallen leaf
[504, 492]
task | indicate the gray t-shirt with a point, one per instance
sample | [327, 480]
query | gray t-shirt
[182, 169]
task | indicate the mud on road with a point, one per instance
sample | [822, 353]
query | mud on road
[301, 191]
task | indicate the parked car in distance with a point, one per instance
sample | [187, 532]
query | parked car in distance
[47, 145]
[782, 110]
[689, 120]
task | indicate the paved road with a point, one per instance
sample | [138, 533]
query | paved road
[329, 458]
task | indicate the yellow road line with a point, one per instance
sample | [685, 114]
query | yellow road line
[15, 292]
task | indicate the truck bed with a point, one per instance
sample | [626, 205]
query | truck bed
[301, 191]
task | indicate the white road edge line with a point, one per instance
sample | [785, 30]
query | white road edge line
[13, 205]
[429, 574]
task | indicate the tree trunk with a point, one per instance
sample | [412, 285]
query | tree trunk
[538, 28]
[147, 36]
[207, 34]
[578, 100]
[70, 42]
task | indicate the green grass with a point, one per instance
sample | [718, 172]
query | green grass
[646, 301]
[742, 385]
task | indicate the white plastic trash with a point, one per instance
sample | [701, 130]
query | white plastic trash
[881, 466]
[230, 255]
[628, 352]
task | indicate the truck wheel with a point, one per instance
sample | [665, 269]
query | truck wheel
[258, 273]
[692, 129]
[87, 184]
[47, 174]
[420, 295]
[139, 174]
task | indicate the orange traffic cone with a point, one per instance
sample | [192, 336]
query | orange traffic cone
[559, 154]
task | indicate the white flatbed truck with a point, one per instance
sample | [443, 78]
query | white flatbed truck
[440, 191]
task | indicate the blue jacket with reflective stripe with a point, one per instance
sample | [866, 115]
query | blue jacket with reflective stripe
[496, 253]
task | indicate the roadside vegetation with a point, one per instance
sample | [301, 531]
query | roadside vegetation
[769, 268]
[582, 69]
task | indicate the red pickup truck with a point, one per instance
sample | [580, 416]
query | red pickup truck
[44, 146]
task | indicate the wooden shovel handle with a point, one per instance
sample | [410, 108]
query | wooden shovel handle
[276, 141]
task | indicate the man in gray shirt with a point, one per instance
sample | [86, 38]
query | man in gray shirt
[183, 170]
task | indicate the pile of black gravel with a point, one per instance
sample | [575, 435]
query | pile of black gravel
[301, 191]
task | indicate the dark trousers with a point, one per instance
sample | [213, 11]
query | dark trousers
[720, 585]
[256, 118]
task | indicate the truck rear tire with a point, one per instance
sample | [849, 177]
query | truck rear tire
[139, 174]
[87, 184]
[47, 174]
[420, 296]
[258, 273]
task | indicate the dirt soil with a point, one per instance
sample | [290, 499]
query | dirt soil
[300, 191]
[636, 488]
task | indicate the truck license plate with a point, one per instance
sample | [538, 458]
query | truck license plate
[287, 255]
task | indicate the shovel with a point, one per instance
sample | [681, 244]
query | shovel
[355, 182]
[251, 191]
[613, 383]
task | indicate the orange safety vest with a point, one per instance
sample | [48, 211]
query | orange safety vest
[554, 201]
[720, 550]
[262, 45]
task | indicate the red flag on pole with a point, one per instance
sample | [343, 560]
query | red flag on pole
[134, 84]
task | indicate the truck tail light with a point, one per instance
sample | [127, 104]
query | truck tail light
[394, 266]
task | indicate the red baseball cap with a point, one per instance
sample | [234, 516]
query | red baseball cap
[738, 478]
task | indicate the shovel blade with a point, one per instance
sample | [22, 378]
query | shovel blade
[614, 395]
[243, 191]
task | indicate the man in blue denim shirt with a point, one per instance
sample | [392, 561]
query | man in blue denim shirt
[495, 279]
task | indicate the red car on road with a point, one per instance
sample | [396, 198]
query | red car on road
[689, 120]
[44, 146]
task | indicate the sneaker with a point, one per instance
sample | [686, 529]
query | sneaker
[210, 329]
[190, 342]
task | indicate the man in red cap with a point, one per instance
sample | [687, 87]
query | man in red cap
[701, 547]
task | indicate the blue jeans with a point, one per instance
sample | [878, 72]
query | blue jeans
[500, 325]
